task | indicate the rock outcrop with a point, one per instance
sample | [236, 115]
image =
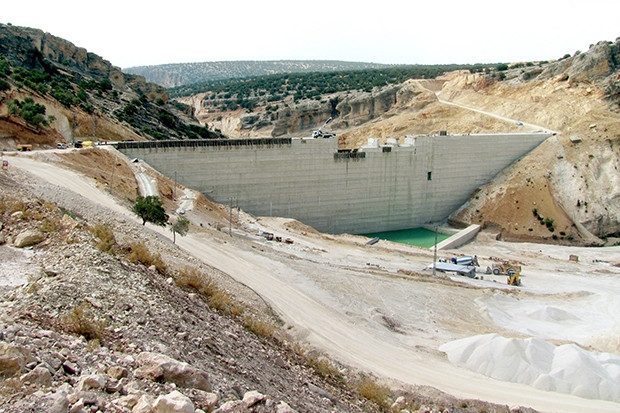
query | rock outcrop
[15, 42]
[348, 109]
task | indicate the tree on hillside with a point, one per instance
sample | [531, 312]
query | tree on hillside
[150, 209]
[32, 112]
[180, 226]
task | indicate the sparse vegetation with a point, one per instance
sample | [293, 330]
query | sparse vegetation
[375, 392]
[258, 327]
[105, 236]
[139, 253]
[82, 321]
[33, 113]
[10, 205]
[49, 225]
[319, 363]
[217, 298]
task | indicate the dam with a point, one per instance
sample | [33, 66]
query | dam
[374, 188]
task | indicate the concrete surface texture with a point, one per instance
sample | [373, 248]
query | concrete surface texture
[377, 188]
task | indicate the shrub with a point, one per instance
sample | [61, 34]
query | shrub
[83, 322]
[11, 205]
[549, 224]
[139, 253]
[105, 235]
[258, 327]
[49, 225]
[374, 392]
[325, 368]
[217, 298]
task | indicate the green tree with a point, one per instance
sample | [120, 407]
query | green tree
[180, 226]
[150, 209]
[33, 113]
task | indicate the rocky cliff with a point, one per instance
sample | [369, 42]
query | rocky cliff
[17, 42]
[349, 110]
[86, 95]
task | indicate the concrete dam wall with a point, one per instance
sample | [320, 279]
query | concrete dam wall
[374, 188]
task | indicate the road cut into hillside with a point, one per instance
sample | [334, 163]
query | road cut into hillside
[376, 309]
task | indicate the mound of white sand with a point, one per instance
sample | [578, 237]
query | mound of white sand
[567, 368]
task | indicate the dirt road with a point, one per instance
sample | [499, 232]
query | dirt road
[529, 127]
[352, 302]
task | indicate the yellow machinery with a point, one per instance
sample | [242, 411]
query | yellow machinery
[513, 271]
[513, 277]
[504, 267]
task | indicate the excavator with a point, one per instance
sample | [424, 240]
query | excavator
[514, 277]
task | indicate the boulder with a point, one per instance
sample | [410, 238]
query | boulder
[174, 402]
[161, 367]
[13, 359]
[28, 238]
[39, 376]
[250, 398]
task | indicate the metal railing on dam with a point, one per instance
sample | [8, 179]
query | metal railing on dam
[199, 143]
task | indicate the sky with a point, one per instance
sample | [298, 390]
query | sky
[139, 33]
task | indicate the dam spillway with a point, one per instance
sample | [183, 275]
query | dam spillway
[371, 189]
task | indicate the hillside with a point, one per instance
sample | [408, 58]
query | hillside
[81, 96]
[179, 74]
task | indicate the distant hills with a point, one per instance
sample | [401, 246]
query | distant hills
[178, 74]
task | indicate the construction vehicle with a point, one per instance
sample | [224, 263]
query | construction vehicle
[512, 270]
[513, 277]
[467, 260]
[320, 134]
[503, 268]
[23, 147]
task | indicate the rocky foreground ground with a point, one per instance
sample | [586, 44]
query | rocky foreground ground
[101, 314]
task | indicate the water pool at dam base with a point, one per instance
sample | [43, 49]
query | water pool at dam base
[419, 237]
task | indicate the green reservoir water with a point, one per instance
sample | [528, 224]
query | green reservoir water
[419, 237]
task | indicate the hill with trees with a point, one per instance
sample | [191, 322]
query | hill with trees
[314, 84]
[50, 85]
[178, 74]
